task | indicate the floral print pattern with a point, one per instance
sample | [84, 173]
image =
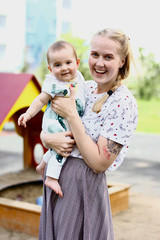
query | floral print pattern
[116, 121]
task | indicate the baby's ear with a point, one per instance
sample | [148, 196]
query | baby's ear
[78, 62]
[49, 69]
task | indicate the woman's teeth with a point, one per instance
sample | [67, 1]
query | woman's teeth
[98, 71]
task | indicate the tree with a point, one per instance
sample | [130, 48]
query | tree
[149, 78]
[82, 49]
[42, 70]
[25, 66]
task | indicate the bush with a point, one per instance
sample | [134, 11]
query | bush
[148, 84]
[42, 70]
[82, 49]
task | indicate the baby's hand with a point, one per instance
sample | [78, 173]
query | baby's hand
[25, 117]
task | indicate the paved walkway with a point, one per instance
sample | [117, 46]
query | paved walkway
[140, 169]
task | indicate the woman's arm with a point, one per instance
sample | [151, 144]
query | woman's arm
[98, 156]
[61, 142]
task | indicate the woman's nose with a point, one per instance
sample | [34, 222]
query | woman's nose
[100, 62]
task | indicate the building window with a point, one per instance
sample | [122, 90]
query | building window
[30, 24]
[52, 27]
[52, 3]
[2, 21]
[66, 26]
[29, 54]
[2, 50]
[66, 4]
[31, 38]
[32, 1]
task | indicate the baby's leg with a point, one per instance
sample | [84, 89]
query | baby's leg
[54, 185]
[40, 168]
[53, 170]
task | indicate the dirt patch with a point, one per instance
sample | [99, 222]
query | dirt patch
[26, 192]
[24, 186]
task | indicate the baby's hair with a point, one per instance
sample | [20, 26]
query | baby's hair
[59, 45]
[124, 52]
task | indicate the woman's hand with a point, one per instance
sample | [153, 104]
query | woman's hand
[61, 142]
[65, 107]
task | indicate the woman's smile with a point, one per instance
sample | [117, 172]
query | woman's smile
[100, 71]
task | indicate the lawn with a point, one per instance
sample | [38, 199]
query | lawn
[149, 116]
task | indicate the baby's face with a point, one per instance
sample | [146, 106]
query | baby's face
[64, 64]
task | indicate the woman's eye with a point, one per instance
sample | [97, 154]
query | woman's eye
[94, 54]
[108, 57]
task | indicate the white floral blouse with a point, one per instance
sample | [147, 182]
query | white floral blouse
[116, 121]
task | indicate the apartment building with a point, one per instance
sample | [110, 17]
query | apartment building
[28, 27]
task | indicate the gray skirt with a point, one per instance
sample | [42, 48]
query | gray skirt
[84, 212]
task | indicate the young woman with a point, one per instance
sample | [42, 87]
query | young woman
[102, 138]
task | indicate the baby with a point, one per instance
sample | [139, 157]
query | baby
[63, 65]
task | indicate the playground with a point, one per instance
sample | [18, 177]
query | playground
[134, 188]
[139, 221]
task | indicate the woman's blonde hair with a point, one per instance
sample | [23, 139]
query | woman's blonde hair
[125, 53]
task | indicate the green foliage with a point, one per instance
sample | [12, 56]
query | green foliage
[42, 70]
[148, 84]
[82, 49]
[25, 67]
[149, 116]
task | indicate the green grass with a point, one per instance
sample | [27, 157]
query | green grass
[149, 116]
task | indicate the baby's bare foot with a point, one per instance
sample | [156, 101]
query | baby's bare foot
[54, 185]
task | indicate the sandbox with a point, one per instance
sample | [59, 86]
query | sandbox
[19, 215]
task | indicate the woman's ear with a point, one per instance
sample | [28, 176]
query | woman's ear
[122, 63]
